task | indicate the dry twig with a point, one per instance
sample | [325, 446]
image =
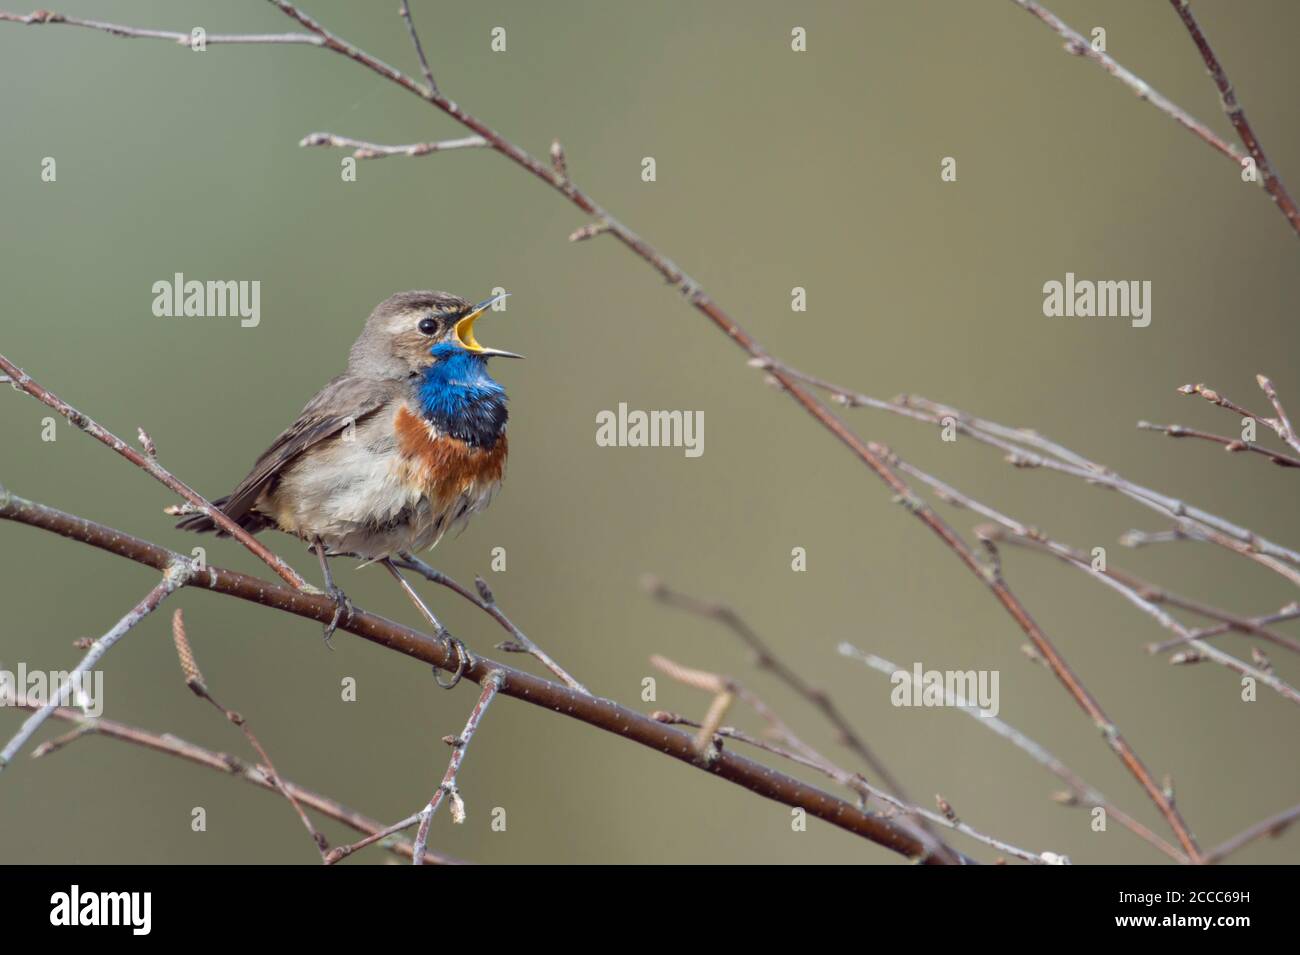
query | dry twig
[194, 680]
[491, 683]
[176, 573]
[171, 745]
[803, 754]
[23, 382]
[366, 150]
[1237, 116]
[486, 601]
[1081, 792]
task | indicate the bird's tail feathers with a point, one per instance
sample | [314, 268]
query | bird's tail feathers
[202, 524]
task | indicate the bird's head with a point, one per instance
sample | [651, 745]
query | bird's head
[410, 331]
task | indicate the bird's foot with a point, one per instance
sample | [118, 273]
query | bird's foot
[464, 659]
[342, 612]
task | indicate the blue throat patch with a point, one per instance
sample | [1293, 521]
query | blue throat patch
[460, 398]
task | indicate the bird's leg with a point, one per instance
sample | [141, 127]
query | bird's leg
[439, 630]
[342, 605]
[463, 658]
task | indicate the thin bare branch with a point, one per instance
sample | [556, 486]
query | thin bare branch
[1281, 425]
[1285, 430]
[486, 601]
[176, 573]
[795, 749]
[1229, 444]
[718, 685]
[765, 659]
[448, 789]
[24, 383]
[1057, 664]
[172, 745]
[1082, 792]
[419, 49]
[1273, 827]
[1025, 448]
[1008, 529]
[1192, 530]
[1035, 541]
[1223, 401]
[732, 732]
[1231, 622]
[1134, 538]
[1078, 45]
[45, 17]
[366, 150]
[950, 821]
[339, 853]
[194, 680]
[320, 37]
[1237, 116]
[1144, 589]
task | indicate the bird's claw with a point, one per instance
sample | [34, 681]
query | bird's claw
[464, 659]
[342, 611]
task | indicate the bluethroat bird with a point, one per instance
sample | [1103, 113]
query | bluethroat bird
[401, 448]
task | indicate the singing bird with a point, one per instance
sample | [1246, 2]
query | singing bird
[406, 445]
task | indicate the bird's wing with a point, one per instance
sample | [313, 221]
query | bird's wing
[345, 400]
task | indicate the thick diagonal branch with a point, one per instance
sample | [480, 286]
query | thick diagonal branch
[601, 713]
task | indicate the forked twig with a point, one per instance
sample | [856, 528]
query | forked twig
[148, 463]
[194, 680]
[486, 601]
[448, 789]
[171, 745]
[765, 659]
[1080, 791]
[177, 573]
[1281, 425]
[725, 689]
[1228, 444]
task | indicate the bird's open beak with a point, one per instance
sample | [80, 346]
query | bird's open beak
[465, 331]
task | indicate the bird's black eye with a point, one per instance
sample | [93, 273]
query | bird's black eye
[428, 326]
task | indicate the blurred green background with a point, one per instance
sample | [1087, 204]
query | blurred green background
[775, 170]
